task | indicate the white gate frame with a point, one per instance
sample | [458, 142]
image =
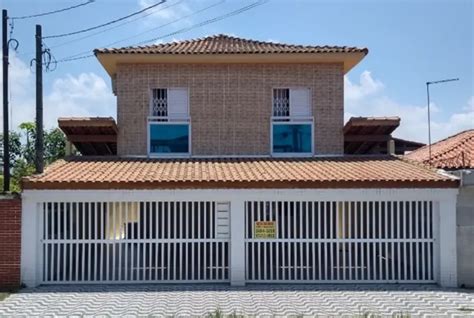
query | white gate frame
[444, 200]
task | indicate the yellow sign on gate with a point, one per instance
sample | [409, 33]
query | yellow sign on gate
[265, 229]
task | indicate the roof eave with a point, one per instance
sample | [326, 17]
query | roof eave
[110, 60]
[28, 184]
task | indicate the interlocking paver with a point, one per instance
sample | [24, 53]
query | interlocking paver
[252, 300]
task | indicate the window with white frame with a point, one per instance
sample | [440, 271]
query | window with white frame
[292, 122]
[169, 122]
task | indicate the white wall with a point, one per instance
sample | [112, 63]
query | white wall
[445, 227]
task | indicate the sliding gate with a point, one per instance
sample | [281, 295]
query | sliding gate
[376, 241]
[108, 242]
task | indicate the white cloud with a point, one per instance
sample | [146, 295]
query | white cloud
[367, 98]
[367, 86]
[84, 95]
[470, 104]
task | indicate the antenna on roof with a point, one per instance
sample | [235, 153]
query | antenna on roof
[429, 115]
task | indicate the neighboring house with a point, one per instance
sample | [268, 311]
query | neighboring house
[373, 136]
[456, 155]
[230, 167]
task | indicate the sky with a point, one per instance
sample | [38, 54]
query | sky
[410, 42]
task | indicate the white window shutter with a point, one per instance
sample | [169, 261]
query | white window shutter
[178, 103]
[300, 104]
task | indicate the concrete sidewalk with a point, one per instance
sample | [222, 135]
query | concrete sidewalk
[253, 300]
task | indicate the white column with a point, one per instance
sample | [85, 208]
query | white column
[237, 243]
[30, 242]
[447, 271]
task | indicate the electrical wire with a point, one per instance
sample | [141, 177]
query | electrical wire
[53, 12]
[149, 30]
[116, 26]
[210, 21]
[203, 23]
[104, 24]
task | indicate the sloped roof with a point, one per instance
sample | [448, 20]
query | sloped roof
[329, 172]
[455, 152]
[363, 134]
[91, 135]
[226, 44]
[229, 49]
[369, 135]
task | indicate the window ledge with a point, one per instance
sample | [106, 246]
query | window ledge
[169, 156]
[292, 155]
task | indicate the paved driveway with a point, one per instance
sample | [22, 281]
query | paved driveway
[253, 300]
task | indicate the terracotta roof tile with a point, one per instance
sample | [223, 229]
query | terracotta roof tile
[455, 152]
[330, 172]
[225, 44]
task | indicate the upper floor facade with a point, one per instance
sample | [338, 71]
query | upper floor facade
[222, 96]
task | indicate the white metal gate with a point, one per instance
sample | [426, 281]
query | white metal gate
[110, 242]
[340, 241]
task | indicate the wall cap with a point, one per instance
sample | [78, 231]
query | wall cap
[10, 196]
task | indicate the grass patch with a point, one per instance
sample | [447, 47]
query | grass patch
[215, 314]
[219, 314]
[375, 315]
[3, 296]
[466, 309]
[401, 315]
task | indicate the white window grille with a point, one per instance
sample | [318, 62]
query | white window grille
[159, 102]
[281, 102]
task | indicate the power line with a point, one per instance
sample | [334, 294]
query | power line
[200, 24]
[104, 24]
[70, 57]
[210, 21]
[53, 12]
[114, 27]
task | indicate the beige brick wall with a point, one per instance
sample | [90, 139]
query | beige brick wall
[230, 104]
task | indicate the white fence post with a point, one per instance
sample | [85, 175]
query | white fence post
[447, 242]
[237, 243]
[29, 243]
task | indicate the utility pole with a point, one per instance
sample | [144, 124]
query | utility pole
[39, 101]
[6, 143]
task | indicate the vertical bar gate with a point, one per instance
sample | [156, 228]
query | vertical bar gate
[121, 242]
[339, 241]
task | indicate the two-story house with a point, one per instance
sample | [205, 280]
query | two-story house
[226, 164]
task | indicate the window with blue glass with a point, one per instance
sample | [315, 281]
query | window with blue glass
[169, 138]
[292, 138]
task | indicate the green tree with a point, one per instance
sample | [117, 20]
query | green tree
[14, 142]
[55, 145]
[22, 155]
[29, 129]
